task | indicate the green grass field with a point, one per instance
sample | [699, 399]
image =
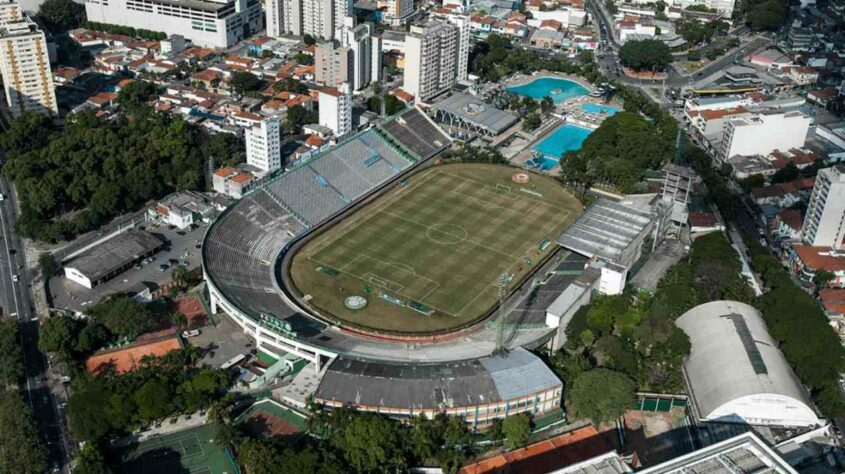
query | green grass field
[190, 451]
[441, 240]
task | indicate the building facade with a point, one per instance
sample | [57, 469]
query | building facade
[212, 23]
[263, 144]
[359, 39]
[464, 45]
[317, 18]
[333, 65]
[764, 133]
[431, 59]
[274, 20]
[824, 223]
[336, 110]
[399, 11]
[25, 66]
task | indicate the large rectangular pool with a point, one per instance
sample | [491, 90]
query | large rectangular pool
[566, 138]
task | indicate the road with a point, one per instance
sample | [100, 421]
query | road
[40, 385]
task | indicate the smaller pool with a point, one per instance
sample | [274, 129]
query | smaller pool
[567, 137]
[542, 163]
[600, 109]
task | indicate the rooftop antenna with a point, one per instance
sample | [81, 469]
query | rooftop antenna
[501, 346]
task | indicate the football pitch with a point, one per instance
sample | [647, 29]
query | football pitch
[428, 254]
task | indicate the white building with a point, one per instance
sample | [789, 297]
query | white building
[764, 133]
[25, 66]
[824, 223]
[735, 372]
[359, 40]
[213, 23]
[274, 18]
[464, 44]
[431, 59]
[291, 17]
[341, 10]
[263, 144]
[336, 110]
[317, 18]
[725, 7]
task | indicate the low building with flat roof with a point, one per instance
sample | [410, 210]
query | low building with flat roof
[609, 230]
[743, 454]
[102, 262]
[465, 112]
[480, 390]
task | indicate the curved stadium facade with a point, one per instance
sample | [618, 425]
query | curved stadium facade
[243, 255]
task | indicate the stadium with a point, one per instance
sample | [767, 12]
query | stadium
[382, 267]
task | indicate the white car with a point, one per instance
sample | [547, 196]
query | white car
[16, 278]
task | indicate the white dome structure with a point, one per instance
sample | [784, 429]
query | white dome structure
[735, 373]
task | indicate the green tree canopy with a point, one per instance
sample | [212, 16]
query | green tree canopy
[648, 55]
[242, 82]
[22, 452]
[136, 94]
[601, 395]
[516, 429]
[123, 316]
[61, 15]
[11, 363]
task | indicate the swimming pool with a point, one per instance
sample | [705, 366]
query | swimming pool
[567, 137]
[600, 109]
[556, 88]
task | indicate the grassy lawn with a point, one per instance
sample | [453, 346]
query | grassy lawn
[438, 242]
[190, 451]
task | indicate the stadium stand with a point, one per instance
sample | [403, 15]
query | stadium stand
[416, 133]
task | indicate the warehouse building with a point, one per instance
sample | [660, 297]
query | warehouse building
[736, 374]
[101, 263]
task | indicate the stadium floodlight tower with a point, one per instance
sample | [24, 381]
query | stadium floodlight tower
[501, 345]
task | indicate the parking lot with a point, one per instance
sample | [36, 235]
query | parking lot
[180, 246]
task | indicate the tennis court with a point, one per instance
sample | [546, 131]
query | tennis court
[191, 451]
[268, 418]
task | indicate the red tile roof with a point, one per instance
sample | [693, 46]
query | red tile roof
[833, 300]
[813, 259]
[717, 114]
[545, 456]
[791, 218]
[702, 219]
[225, 171]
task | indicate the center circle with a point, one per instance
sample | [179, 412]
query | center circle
[448, 234]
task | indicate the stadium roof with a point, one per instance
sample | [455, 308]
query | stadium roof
[743, 454]
[416, 133]
[466, 111]
[115, 253]
[457, 384]
[734, 361]
[606, 230]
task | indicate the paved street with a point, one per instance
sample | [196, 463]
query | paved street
[16, 302]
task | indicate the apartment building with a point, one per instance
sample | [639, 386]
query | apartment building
[763, 133]
[464, 45]
[263, 144]
[824, 223]
[431, 59]
[336, 109]
[25, 65]
[399, 11]
[359, 39]
[333, 64]
[213, 23]
[275, 19]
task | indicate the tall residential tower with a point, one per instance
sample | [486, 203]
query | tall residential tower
[24, 64]
[824, 224]
[431, 59]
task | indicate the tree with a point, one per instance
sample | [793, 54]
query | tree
[309, 40]
[58, 336]
[88, 420]
[303, 59]
[374, 104]
[517, 429]
[243, 82]
[153, 400]
[547, 105]
[135, 95]
[22, 453]
[497, 433]
[123, 316]
[371, 442]
[822, 278]
[90, 460]
[297, 116]
[47, 264]
[226, 149]
[11, 363]
[290, 85]
[61, 15]
[602, 395]
[531, 121]
[392, 105]
[648, 54]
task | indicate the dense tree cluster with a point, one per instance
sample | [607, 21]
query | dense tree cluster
[392, 105]
[126, 30]
[22, 452]
[243, 82]
[697, 32]
[619, 152]
[474, 154]
[349, 441]
[646, 55]
[72, 179]
[111, 319]
[61, 15]
[634, 335]
[766, 15]
[496, 58]
[110, 404]
[11, 364]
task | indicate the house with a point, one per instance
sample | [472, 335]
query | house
[807, 260]
[703, 222]
[823, 97]
[771, 58]
[182, 209]
[405, 97]
[833, 300]
[102, 99]
[787, 224]
[803, 75]
[209, 78]
[547, 39]
[65, 75]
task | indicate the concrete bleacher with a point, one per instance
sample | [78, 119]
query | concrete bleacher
[416, 133]
[304, 194]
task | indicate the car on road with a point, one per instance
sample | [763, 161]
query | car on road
[163, 267]
[16, 278]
